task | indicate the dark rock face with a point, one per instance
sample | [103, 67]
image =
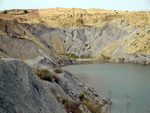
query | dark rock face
[22, 92]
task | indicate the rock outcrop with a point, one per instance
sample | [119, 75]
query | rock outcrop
[22, 92]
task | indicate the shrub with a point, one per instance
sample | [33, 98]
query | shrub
[121, 59]
[56, 78]
[71, 107]
[73, 56]
[60, 61]
[140, 50]
[134, 44]
[44, 74]
[148, 31]
[81, 96]
[86, 45]
[105, 57]
[85, 56]
[70, 55]
[25, 11]
[142, 35]
[94, 108]
[5, 12]
[58, 70]
[144, 62]
[70, 61]
[47, 78]
[58, 96]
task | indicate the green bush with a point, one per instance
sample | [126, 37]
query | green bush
[105, 57]
[148, 31]
[142, 35]
[58, 70]
[81, 96]
[44, 74]
[134, 44]
[47, 78]
[121, 59]
[85, 56]
[86, 45]
[71, 107]
[70, 61]
[140, 50]
[25, 11]
[71, 55]
[5, 12]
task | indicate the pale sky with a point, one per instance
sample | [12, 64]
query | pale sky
[130, 5]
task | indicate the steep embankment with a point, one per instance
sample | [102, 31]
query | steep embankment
[21, 91]
[91, 33]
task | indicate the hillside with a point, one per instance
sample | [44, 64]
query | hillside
[84, 33]
[78, 18]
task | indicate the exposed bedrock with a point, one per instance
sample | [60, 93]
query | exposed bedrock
[21, 91]
[116, 40]
[87, 41]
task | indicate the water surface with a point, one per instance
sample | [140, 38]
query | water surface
[128, 85]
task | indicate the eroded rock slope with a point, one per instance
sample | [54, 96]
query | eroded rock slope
[21, 91]
[93, 33]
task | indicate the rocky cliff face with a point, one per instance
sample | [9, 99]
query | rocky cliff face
[21, 91]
